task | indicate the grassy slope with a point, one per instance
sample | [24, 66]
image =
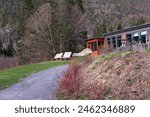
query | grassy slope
[126, 74]
[121, 75]
[12, 76]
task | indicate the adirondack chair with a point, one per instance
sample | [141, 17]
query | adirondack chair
[58, 56]
[67, 55]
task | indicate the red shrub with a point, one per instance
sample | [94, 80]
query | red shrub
[71, 86]
[71, 81]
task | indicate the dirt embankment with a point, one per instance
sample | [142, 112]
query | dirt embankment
[124, 76]
[112, 76]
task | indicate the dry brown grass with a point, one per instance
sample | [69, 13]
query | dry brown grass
[114, 76]
[8, 62]
[126, 76]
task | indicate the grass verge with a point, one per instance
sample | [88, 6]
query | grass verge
[11, 76]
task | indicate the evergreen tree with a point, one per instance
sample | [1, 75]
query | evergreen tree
[26, 11]
[100, 30]
[119, 26]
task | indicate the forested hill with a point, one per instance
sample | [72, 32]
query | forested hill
[34, 30]
[110, 15]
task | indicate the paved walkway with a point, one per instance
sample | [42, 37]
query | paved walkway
[38, 86]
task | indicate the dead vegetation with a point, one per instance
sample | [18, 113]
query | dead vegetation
[113, 76]
[8, 62]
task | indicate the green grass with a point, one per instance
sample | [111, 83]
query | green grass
[115, 54]
[148, 50]
[11, 76]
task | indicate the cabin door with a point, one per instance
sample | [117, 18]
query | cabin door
[89, 46]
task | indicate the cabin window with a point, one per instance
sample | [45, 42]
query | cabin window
[109, 41]
[89, 45]
[129, 37]
[114, 42]
[119, 42]
[144, 33]
[144, 37]
[94, 46]
[136, 37]
[100, 43]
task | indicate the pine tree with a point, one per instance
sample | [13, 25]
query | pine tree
[119, 26]
[100, 30]
[26, 10]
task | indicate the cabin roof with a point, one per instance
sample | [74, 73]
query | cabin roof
[127, 29]
[95, 38]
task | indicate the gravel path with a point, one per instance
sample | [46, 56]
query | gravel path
[38, 86]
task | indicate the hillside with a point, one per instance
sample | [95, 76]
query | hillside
[112, 76]
[35, 30]
[110, 15]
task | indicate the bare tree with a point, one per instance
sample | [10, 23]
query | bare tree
[51, 30]
[113, 12]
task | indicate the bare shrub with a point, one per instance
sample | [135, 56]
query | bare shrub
[69, 84]
[93, 91]
[72, 86]
[8, 62]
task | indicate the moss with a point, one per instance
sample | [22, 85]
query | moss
[107, 90]
[60, 96]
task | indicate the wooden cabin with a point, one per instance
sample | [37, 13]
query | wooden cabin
[121, 39]
[137, 34]
[95, 44]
